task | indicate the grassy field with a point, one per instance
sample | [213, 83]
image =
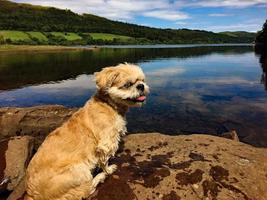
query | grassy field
[34, 37]
[16, 48]
[38, 35]
[107, 36]
[67, 36]
[15, 35]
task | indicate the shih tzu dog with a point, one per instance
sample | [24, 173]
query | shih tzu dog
[63, 165]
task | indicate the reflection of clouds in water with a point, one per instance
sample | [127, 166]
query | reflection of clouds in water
[154, 82]
[162, 76]
[194, 101]
[245, 59]
[72, 92]
[166, 71]
[225, 80]
[220, 91]
[237, 106]
[166, 80]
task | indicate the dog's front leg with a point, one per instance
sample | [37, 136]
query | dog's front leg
[104, 156]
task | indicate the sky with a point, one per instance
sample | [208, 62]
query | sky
[210, 15]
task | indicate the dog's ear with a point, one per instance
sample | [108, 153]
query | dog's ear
[106, 77]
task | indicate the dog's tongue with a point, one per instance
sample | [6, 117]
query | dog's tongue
[141, 98]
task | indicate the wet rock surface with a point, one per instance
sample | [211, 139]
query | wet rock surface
[15, 154]
[155, 166]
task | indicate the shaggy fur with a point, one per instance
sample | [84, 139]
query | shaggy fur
[62, 167]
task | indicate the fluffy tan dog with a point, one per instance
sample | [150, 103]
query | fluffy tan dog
[62, 167]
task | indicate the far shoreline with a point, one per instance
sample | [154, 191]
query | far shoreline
[7, 47]
[40, 48]
[153, 46]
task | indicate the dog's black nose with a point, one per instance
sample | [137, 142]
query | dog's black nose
[140, 87]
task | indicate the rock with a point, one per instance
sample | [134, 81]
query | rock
[18, 192]
[156, 166]
[15, 155]
[232, 135]
[150, 166]
[34, 121]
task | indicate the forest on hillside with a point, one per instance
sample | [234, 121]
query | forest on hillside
[25, 17]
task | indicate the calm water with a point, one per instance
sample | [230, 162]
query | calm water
[193, 89]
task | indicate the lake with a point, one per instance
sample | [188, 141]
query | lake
[194, 89]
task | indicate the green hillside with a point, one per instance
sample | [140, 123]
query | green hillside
[15, 35]
[242, 34]
[37, 36]
[108, 36]
[63, 38]
[84, 29]
[67, 36]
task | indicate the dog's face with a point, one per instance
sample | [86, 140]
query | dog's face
[125, 84]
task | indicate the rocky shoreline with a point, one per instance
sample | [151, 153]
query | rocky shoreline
[150, 165]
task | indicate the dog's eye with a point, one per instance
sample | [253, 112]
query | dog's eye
[142, 79]
[128, 84]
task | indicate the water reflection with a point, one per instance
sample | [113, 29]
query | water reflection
[193, 90]
[264, 80]
[22, 69]
[261, 51]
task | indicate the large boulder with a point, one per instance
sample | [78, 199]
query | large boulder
[34, 121]
[156, 166]
[15, 155]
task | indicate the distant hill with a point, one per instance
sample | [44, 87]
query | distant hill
[29, 18]
[240, 34]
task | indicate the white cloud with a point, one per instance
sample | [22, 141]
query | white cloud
[128, 10]
[225, 3]
[251, 27]
[180, 23]
[166, 14]
[116, 9]
[137, 5]
[219, 15]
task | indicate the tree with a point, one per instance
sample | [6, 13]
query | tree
[264, 27]
[261, 37]
[2, 40]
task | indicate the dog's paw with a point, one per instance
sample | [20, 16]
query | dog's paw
[111, 169]
[102, 177]
[99, 178]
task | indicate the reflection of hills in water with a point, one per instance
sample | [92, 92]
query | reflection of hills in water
[18, 70]
[261, 51]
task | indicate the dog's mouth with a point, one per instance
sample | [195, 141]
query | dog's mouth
[141, 98]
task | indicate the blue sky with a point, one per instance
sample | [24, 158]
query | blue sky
[211, 15]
